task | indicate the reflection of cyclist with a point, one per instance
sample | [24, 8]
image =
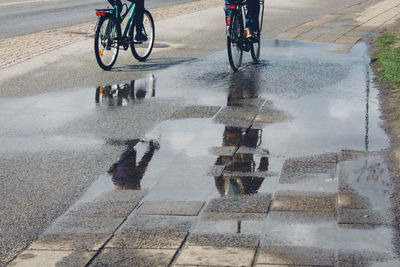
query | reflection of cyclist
[251, 18]
[139, 9]
[126, 173]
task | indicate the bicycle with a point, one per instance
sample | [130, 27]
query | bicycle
[236, 39]
[109, 37]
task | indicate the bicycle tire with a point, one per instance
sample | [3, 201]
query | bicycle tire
[142, 50]
[256, 46]
[234, 41]
[106, 47]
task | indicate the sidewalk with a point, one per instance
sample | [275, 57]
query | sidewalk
[123, 228]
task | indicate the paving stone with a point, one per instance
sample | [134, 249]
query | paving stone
[215, 256]
[365, 258]
[70, 242]
[134, 257]
[348, 154]
[295, 170]
[215, 216]
[132, 196]
[136, 238]
[102, 209]
[196, 112]
[320, 158]
[288, 255]
[256, 203]
[234, 116]
[303, 201]
[82, 225]
[40, 258]
[254, 151]
[353, 201]
[158, 222]
[362, 216]
[215, 170]
[301, 217]
[179, 208]
[268, 114]
[223, 240]
[222, 151]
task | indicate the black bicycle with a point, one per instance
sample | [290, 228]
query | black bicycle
[109, 36]
[235, 36]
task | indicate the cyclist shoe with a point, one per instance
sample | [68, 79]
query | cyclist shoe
[140, 37]
[250, 35]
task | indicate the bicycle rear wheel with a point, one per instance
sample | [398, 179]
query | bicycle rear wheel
[141, 50]
[234, 40]
[256, 46]
[105, 42]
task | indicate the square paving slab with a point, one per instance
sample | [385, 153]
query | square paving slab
[294, 171]
[365, 258]
[215, 256]
[85, 225]
[303, 201]
[102, 209]
[179, 208]
[134, 257]
[196, 112]
[298, 256]
[132, 196]
[223, 240]
[40, 258]
[157, 239]
[159, 222]
[70, 242]
[362, 216]
[215, 216]
[256, 203]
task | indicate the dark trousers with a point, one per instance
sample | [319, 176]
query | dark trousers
[139, 9]
[252, 14]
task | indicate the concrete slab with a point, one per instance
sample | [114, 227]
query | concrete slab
[178, 208]
[222, 151]
[85, 225]
[362, 216]
[348, 154]
[196, 112]
[236, 116]
[39, 258]
[256, 203]
[70, 242]
[294, 171]
[132, 196]
[223, 240]
[215, 170]
[158, 222]
[353, 201]
[155, 239]
[215, 256]
[301, 217]
[303, 201]
[216, 216]
[102, 209]
[268, 114]
[299, 256]
[134, 257]
[365, 258]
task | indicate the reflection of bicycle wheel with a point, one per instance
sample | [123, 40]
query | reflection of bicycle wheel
[234, 40]
[105, 42]
[255, 48]
[141, 50]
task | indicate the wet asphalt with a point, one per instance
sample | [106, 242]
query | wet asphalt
[297, 134]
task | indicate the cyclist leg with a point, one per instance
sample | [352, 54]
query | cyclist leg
[139, 20]
[252, 17]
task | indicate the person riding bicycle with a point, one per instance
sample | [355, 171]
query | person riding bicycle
[139, 10]
[253, 11]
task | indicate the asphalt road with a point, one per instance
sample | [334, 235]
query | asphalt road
[53, 154]
[28, 16]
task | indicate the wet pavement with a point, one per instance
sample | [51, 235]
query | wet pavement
[281, 163]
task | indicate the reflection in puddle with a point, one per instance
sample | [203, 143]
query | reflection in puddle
[128, 172]
[122, 94]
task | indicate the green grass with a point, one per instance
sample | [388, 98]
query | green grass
[388, 60]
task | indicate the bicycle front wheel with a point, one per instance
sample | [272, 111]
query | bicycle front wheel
[234, 41]
[105, 42]
[141, 50]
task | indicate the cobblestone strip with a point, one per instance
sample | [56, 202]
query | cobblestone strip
[347, 26]
[18, 49]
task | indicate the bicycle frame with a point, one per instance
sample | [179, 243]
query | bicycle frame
[114, 12]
